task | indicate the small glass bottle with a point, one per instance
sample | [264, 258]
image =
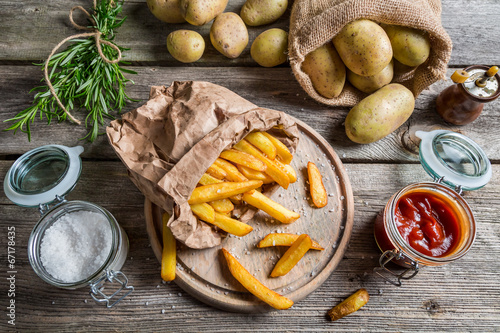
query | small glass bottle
[43, 176]
[456, 163]
[463, 102]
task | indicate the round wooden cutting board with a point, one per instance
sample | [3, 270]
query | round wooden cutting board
[204, 273]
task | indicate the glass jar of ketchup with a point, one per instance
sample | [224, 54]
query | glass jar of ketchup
[430, 223]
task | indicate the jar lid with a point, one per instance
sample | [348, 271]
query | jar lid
[490, 89]
[455, 158]
[43, 173]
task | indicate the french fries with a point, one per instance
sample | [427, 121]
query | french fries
[222, 205]
[233, 175]
[207, 179]
[271, 207]
[273, 169]
[254, 286]
[318, 191]
[281, 150]
[215, 171]
[222, 190]
[231, 226]
[290, 172]
[351, 304]
[259, 140]
[243, 158]
[292, 256]
[284, 239]
[255, 175]
[168, 256]
[204, 211]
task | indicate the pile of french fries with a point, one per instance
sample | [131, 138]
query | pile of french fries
[235, 178]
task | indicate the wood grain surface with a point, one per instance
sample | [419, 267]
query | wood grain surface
[463, 296]
[204, 273]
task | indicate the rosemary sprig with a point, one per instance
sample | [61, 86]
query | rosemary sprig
[82, 79]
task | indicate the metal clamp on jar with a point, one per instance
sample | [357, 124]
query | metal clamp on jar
[430, 223]
[463, 102]
[75, 243]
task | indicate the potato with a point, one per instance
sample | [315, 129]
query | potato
[166, 10]
[200, 12]
[185, 45]
[379, 114]
[364, 47]
[260, 12]
[270, 48]
[369, 84]
[326, 71]
[411, 47]
[229, 34]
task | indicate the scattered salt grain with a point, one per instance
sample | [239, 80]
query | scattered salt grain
[163, 311]
[76, 245]
[179, 294]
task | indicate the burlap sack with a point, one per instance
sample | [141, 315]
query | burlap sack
[315, 22]
[170, 141]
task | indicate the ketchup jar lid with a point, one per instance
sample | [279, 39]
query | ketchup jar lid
[454, 159]
[43, 173]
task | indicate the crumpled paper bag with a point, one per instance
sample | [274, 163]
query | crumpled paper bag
[169, 142]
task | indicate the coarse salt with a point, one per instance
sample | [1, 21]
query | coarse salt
[76, 245]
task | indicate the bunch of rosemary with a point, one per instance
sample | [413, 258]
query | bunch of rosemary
[82, 79]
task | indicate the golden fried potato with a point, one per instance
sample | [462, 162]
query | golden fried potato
[168, 257]
[222, 190]
[271, 207]
[351, 304]
[284, 239]
[292, 256]
[318, 191]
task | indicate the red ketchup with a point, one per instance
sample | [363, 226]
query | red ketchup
[427, 223]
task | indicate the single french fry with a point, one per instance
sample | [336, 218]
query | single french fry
[284, 240]
[255, 175]
[292, 256]
[217, 172]
[222, 205]
[281, 150]
[351, 304]
[207, 179]
[168, 256]
[243, 158]
[204, 211]
[236, 199]
[259, 140]
[254, 286]
[289, 170]
[318, 191]
[260, 201]
[233, 174]
[222, 190]
[231, 226]
[273, 169]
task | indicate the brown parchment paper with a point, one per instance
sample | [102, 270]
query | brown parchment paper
[170, 141]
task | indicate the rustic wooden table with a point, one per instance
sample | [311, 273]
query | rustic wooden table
[460, 297]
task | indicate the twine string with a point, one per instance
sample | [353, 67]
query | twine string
[93, 33]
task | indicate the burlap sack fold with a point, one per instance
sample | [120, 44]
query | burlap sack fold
[315, 22]
[169, 142]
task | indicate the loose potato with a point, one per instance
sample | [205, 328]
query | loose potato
[185, 45]
[326, 71]
[369, 84]
[411, 47]
[200, 12]
[166, 10]
[270, 48]
[229, 34]
[364, 47]
[351, 304]
[260, 12]
[379, 114]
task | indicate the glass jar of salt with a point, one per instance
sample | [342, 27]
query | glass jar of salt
[75, 243]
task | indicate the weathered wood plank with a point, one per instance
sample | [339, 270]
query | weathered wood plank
[31, 30]
[462, 296]
[274, 88]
